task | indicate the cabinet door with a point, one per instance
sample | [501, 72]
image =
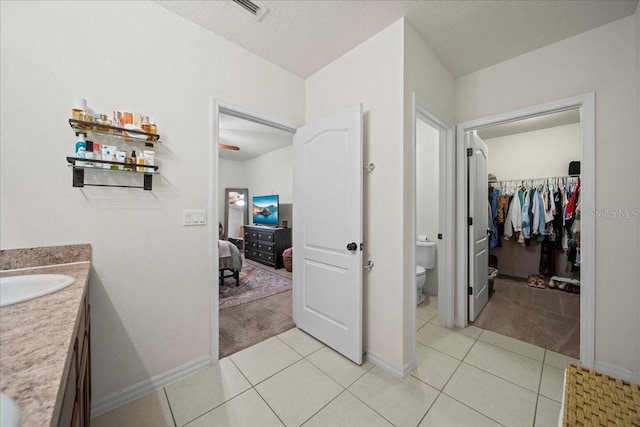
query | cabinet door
[69, 399]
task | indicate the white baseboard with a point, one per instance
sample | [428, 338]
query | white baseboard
[400, 373]
[613, 370]
[135, 391]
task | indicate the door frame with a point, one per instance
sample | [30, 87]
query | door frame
[586, 104]
[217, 107]
[423, 110]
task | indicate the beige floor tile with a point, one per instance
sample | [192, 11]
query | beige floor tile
[500, 400]
[435, 321]
[264, 359]
[196, 394]
[447, 412]
[470, 331]
[300, 341]
[420, 323]
[547, 413]
[552, 382]
[559, 360]
[403, 403]
[151, 410]
[508, 365]
[432, 299]
[426, 312]
[511, 344]
[298, 392]
[433, 367]
[347, 411]
[444, 340]
[338, 367]
[245, 410]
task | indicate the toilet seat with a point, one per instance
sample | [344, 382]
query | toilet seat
[420, 271]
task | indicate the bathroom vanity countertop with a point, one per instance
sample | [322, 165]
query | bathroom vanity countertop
[35, 340]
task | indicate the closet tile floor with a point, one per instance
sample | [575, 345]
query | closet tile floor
[464, 377]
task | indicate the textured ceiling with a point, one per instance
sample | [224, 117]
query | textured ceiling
[253, 139]
[467, 35]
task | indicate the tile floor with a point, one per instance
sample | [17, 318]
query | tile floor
[464, 377]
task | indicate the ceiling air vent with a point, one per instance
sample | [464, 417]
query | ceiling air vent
[253, 8]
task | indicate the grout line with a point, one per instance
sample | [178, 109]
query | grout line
[368, 406]
[499, 377]
[216, 407]
[323, 406]
[269, 406]
[473, 409]
[173, 417]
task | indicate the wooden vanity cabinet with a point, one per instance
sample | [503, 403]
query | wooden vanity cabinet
[76, 402]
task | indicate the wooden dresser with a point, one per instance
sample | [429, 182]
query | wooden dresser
[265, 244]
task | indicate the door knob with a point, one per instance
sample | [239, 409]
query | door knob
[352, 246]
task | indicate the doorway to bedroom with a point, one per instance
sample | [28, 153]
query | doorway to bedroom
[255, 213]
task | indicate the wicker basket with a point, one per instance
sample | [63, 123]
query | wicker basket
[288, 262]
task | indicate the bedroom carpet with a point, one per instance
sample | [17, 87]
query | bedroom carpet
[255, 282]
[247, 324]
[548, 318]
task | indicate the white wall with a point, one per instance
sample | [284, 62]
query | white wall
[537, 154]
[428, 191]
[600, 60]
[271, 173]
[371, 74]
[425, 76]
[151, 281]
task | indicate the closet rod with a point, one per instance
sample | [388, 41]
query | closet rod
[538, 179]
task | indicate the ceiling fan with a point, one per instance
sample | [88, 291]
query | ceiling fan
[228, 147]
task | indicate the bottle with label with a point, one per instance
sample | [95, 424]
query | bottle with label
[140, 162]
[80, 150]
[133, 160]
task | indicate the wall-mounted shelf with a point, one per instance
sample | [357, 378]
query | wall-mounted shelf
[97, 165]
[129, 135]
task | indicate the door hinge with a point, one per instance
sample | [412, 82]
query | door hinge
[439, 236]
[470, 290]
[469, 152]
[469, 221]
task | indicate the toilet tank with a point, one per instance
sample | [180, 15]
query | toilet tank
[426, 254]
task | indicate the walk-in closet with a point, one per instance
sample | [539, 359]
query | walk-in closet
[534, 231]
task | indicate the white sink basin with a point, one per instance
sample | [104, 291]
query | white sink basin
[9, 412]
[16, 289]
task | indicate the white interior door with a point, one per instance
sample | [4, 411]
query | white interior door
[479, 224]
[327, 233]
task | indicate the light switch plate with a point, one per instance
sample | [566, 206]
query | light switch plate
[194, 217]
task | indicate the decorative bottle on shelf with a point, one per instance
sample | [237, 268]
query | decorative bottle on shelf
[81, 147]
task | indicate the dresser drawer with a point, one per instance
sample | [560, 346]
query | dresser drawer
[250, 235]
[266, 257]
[265, 236]
[267, 247]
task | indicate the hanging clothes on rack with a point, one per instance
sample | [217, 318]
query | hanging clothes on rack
[542, 211]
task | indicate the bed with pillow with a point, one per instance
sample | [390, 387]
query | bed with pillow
[229, 259]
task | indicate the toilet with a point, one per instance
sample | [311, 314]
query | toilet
[425, 260]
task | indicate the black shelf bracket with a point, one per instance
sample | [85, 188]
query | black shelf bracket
[78, 174]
